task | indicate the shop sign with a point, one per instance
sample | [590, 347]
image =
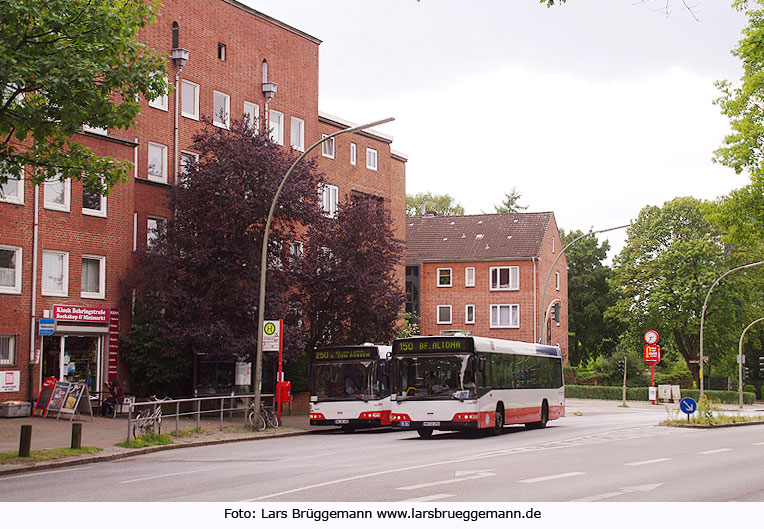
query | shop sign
[652, 354]
[113, 343]
[10, 381]
[69, 313]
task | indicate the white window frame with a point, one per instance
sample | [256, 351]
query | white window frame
[469, 276]
[94, 212]
[514, 272]
[513, 308]
[151, 233]
[160, 103]
[18, 198]
[297, 125]
[66, 206]
[216, 120]
[101, 293]
[450, 314]
[276, 132]
[467, 318]
[557, 280]
[163, 148]
[16, 288]
[64, 292]
[327, 147]
[450, 278]
[353, 154]
[296, 253]
[253, 110]
[102, 131]
[330, 197]
[372, 159]
[195, 87]
[11, 341]
[184, 155]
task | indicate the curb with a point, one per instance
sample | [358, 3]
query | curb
[84, 460]
[702, 426]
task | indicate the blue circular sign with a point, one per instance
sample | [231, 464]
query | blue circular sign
[688, 405]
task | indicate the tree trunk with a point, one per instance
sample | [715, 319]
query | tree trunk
[689, 345]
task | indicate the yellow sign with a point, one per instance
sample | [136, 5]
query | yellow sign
[269, 328]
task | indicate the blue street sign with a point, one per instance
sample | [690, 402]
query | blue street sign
[688, 405]
[46, 326]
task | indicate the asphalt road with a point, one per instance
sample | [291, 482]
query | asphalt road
[611, 454]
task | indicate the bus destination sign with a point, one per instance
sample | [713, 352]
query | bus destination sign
[354, 353]
[432, 345]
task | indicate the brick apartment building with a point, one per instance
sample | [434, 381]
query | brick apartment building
[485, 274]
[63, 251]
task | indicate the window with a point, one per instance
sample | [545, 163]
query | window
[57, 194]
[444, 277]
[157, 166]
[10, 269]
[505, 278]
[444, 314]
[371, 159]
[187, 159]
[353, 154]
[93, 276]
[7, 349]
[221, 108]
[12, 191]
[103, 131]
[153, 226]
[296, 251]
[557, 280]
[221, 51]
[505, 316]
[469, 314]
[55, 273]
[276, 124]
[469, 276]
[330, 196]
[327, 147]
[161, 101]
[252, 116]
[93, 203]
[297, 133]
[189, 94]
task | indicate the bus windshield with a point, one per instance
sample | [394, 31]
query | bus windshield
[347, 381]
[435, 377]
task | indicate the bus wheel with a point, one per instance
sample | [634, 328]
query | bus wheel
[499, 424]
[544, 418]
[346, 428]
[424, 432]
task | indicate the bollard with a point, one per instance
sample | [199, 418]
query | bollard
[25, 441]
[76, 435]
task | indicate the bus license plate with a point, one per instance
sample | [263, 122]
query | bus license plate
[341, 421]
[431, 423]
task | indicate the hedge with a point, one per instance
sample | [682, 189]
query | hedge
[616, 393]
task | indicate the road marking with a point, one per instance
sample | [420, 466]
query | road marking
[549, 478]
[461, 475]
[624, 490]
[160, 476]
[648, 462]
[430, 498]
[34, 474]
[717, 451]
[758, 444]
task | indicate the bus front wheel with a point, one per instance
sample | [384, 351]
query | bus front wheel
[424, 432]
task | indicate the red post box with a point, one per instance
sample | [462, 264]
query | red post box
[284, 391]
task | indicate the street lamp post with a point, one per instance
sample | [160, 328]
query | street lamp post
[703, 316]
[264, 254]
[542, 330]
[740, 360]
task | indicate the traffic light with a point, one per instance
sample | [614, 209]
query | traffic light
[556, 312]
[745, 373]
[761, 364]
[622, 364]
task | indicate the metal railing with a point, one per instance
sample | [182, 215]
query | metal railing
[235, 404]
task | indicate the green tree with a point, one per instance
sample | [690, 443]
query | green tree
[510, 203]
[442, 205]
[65, 64]
[589, 297]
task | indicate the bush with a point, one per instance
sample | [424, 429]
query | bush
[643, 393]
[749, 388]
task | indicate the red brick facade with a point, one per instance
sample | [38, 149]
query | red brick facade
[249, 39]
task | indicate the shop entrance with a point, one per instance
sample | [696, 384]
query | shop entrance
[73, 359]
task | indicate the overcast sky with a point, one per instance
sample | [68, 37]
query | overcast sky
[592, 110]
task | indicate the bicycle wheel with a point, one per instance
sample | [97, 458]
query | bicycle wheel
[138, 422]
[271, 418]
[260, 426]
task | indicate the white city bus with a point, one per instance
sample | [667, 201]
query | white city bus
[471, 383]
[349, 386]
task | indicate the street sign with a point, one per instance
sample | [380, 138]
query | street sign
[271, 335]
[651, 337]
[46, 326]
[652, 354]
[688, 406]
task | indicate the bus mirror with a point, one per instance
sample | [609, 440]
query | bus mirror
[481, 364]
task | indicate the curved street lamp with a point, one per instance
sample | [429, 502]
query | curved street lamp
[740, 360]
[703, 316]
[264, 254]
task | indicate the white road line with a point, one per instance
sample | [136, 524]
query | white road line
[717, 451]
[549, 478]
[461, 476]
[160, 476]
[758, 444]
[648, 461]
[430, 498]
[599, 497]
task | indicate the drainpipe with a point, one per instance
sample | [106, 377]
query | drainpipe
[535, 301]
[33, 310]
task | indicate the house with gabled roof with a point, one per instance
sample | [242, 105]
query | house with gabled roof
[488, 275]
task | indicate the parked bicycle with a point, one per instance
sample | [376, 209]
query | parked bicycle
[267, 417]
[145, 423]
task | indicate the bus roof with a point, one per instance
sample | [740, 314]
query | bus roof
[444, 344]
